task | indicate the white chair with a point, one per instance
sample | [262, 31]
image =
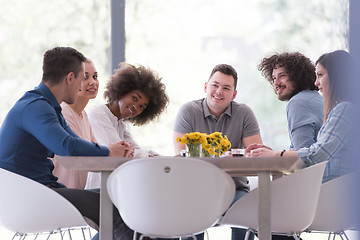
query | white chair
[335, 212]
[170, 197]
[293, 203]
[28, 207]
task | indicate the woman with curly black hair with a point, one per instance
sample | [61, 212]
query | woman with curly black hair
[134, 94]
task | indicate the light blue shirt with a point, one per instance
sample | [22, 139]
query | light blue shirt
[335, 143]
[305, 118]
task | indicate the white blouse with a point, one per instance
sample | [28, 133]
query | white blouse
[108, 130]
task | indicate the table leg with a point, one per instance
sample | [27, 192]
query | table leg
[264, 214]
[106, 210]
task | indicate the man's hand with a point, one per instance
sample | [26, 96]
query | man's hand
[121, 149]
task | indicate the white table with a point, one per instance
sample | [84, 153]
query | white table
[234, 166]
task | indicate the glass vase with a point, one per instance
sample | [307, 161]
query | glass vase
[216, 152]
[194, 150]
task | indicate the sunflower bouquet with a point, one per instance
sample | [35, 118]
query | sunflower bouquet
[201, 144]
[217, 144]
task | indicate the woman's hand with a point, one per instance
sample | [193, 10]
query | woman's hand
[254, 146]
[263, 152]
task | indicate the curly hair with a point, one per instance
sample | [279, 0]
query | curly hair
[301, 69]
[128, 78]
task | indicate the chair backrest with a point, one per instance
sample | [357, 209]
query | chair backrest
[27, 206]
[293, 202]
[336, 206]
[170, 197]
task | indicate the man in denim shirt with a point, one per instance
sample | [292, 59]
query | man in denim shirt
[292, 76]
[34, 129]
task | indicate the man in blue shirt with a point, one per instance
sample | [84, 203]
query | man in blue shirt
[292, 76]
[34, 130]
